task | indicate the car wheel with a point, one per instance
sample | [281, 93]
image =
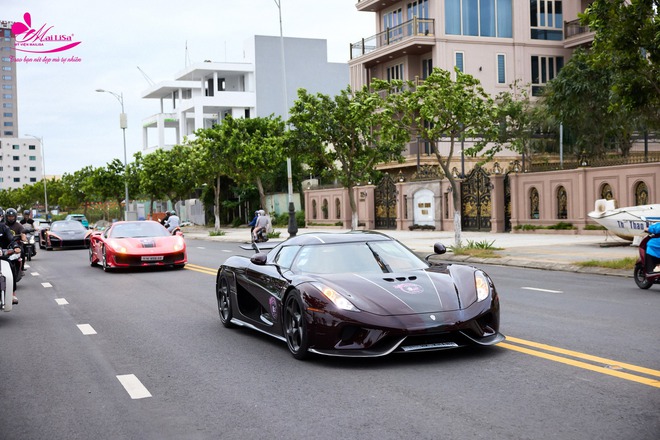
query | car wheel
[179, 266]
[640, 277]
[295, 326]
[91, 258]
[224, 301]
[104, 261]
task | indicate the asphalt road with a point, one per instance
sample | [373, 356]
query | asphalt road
[142, 355]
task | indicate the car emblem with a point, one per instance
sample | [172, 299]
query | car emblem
[433, 317]
[409, 288]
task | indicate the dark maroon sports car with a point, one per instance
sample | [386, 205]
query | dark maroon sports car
[359, 294]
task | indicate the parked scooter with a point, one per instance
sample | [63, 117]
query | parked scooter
[7, 283]
[643, 273]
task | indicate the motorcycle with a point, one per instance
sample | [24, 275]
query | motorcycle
[643, 272]
[29, 244]
[261, 236]
[7, 284]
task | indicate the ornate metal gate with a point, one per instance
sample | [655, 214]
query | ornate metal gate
[385, 203]
[507, 203]
[475, 201]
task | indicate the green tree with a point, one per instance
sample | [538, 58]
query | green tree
[78, 188]
[348, 135]
[445, 109]
[579, 97]
[627, 42]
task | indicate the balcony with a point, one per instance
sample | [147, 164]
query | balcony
[576, 34]
[413, 36]
[374, 5]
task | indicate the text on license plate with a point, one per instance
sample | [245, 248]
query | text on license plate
[430, 346]
[152, 258]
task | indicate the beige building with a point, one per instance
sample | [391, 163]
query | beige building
[496, 41]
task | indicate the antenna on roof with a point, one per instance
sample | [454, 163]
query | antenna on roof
[149, 80]
[187, 60]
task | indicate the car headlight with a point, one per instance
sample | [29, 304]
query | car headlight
[335, 297]
[482, 285]
[179, 244]
[117, 247]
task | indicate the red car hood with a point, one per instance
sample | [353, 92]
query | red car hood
[403, 293]
[147, 244]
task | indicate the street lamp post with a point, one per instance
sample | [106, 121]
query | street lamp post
[293, 225]
[122, 124]
[43, 168]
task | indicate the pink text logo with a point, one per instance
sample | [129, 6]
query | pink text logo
[42, 40]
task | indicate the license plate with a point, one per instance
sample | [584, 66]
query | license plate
[437, 345]
[152, 258]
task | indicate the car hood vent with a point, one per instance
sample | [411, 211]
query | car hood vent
[148, 243]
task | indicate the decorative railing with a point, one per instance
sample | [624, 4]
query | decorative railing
[411, 28]
[594, 162]
[573, 28]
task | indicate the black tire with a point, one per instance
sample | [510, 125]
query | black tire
[295, 326]
[91, 259]
[224, 301]
[104, 262]
[180, 266]
[640, 277]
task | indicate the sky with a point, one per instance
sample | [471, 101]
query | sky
[122, 43]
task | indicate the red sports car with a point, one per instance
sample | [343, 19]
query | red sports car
[136, 244]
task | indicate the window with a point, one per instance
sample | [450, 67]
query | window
[7, 87]
[534, 203]
[419, 9]
[7, 96]
[6, 77]
[15, 147]
[501, 68]
[33, 179]
[338, 208]
[32, 147]
[17, 168]
[606, 192]
[33, 168]
[6, 68]
[8, 115]
[562, 203]
[458, 57]
[8, 124]
[641, 194]
[392, 21]
[479, 18]
[8, 133]
[544, 69]
[16, 157]
[546, 20]
[33, 157]
[427, 68]
[6, 59]
[395, 72]
[17, 179]
[7, 105]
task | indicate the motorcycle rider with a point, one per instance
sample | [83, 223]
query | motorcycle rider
[27, 218]
[17, 229]
[173, 221]
[165, 219]
[9, 241]
[653, 249]
[263, 222]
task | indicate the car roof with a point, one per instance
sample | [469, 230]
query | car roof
[320, 238]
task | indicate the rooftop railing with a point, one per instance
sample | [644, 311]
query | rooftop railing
[573, 28]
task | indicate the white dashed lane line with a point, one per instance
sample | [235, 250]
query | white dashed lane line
[34, 274]
[133, 386]
[86, 329]
[61, 301]
[542, 290]
[46, 285]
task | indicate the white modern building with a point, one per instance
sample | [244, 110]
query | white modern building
[203, 94]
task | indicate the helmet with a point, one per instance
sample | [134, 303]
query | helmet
[26, 213]
[2, 213]
[10, 216]
[172, 212]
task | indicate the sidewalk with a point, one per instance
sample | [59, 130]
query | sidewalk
[540, 251]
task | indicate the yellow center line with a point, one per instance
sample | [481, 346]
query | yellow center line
[585, 356]
[201, 269]
[603, 370]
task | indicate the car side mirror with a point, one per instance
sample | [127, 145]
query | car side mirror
[258, 259]
[439, 248]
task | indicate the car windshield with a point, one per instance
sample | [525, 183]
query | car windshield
[364, 257]
[67, 226]
[138, 229]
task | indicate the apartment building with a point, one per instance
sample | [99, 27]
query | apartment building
[496, 41]
[20, 157]
[203, 94]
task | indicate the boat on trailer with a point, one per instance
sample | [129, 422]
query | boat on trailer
[626, 223]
